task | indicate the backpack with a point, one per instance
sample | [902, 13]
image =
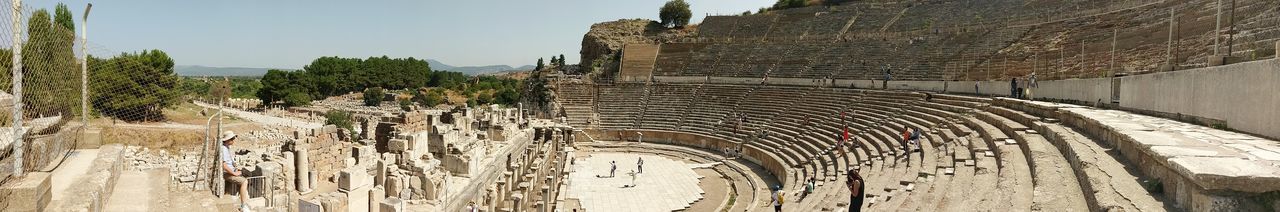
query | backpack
[780, 199]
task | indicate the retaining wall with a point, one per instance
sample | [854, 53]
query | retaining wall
[1244, 96]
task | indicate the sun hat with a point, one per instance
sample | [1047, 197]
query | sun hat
[227, 135]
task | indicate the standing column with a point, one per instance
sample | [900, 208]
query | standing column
[546, 198]
[492, 199]
[376, 195]
[515, 202]
[500, 200]
[304, 170]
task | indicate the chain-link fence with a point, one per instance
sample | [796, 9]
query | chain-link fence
[58, 84]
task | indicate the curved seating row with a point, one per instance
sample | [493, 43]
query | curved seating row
[972, 156]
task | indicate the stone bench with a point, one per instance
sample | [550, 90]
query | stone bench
[1200, 167]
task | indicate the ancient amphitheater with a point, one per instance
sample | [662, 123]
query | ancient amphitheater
[1137, 107]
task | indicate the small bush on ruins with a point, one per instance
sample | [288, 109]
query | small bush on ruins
[429, 98]
[373, 96]
[339, 118]
[675, 14]
[406, 105]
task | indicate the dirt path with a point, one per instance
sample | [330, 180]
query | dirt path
[265, 119]
[172, 125]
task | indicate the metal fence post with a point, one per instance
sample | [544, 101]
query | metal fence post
[17, 87]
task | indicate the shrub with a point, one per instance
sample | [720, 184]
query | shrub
[405, 105]
[373, 96]
[339, 118]
[297, 99]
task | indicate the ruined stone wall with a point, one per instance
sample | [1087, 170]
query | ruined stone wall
[326, 147]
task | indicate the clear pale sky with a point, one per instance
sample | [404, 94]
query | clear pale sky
[290, 33]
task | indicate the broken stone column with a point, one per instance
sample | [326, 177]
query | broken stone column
[289, 172]
[490, 200]
[502, 195]
[380, 173]
[546, 197]
[268, 170]
[376, 195]
[516, 200]
[304, 170]
[392, 204]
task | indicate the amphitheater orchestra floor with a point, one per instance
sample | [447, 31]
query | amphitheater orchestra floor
[665, 185]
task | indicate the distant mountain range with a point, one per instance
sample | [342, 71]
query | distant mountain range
[475, 70]
[196, 70]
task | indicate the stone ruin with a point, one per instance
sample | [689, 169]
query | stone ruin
[386, 162]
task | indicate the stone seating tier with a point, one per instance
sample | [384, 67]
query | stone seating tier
[1006, 156]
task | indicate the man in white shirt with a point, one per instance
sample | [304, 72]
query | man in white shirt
[229, 171]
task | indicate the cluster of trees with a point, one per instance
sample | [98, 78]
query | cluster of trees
[675, 14]
[331, 76]
[493, 90]
[133, 86]
[129, 86]
[557, 62]
[375, 76]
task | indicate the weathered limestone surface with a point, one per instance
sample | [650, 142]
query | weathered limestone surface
[28, 193]
[392, 204]
[1214, 159]
[358, 199]
[309, 206]
[99, 181]
[1200, 168]
[352, 178]
[376, 195]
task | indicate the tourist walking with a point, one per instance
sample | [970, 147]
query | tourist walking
[1031, 85]
[1013, 87]
[640, 165]
[229, 171]
[777, 198]
[856, 187]
[613, 167]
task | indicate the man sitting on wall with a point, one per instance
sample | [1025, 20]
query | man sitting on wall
[229, 171]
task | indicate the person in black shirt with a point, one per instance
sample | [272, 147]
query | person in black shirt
[857, 188]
